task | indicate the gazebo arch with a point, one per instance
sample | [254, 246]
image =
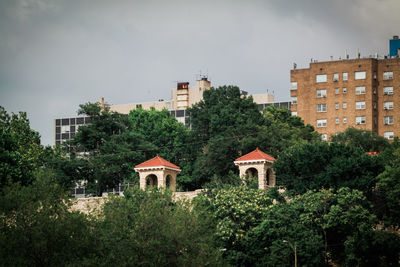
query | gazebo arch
[157, 172]
[261, 162]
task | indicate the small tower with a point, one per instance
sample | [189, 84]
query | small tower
[157, 172]
[257, 164]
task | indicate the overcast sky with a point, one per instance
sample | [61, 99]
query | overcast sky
[57, 54]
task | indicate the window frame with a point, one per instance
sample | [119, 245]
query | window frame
[360, 92]
[322, 123]
[388, 120]
[362, 120]
[363, 77]
[388, 135]
[360, 105]
[386, 91]
[319, 95]
[321, 78]
[321, 108]
[388, 105]
[387, 76]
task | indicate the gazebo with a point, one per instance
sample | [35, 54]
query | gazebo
[257, 164]
[157, 172]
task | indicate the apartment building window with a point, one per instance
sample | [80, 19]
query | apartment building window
[336, 77]
[388, 120]
[388, 75]
[388, 90]
[65, 122]
[138, 106]
[336, 105]
[344, 120]
[65, 129]
[344, 105]
[324, 137]
[360, 75]
[321, 123]
[345, 76]
[344, 90]
[388, 105]
[321, 93]
[294, 100]
[360, 120]
[293, 86]
[337, 120]
[321, 78]
[294, 113]
[360, 90]
[336, 91]
[360, 105]
[388, 135]
[321, 107]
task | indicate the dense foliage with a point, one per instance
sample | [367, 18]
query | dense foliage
[20, 150]
[336, 205]
[323, 165]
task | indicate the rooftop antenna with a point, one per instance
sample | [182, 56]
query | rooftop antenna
[294, 66]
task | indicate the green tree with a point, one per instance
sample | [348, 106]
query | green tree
[237, 211]
[367, 141]
[387, 204]
[37, 228]
[280, 131]
[170, 139]
[111, 149]
[20, 149]
[146, 228]
[222, 109]
[322, 165]
[219, 124]
[326, 226]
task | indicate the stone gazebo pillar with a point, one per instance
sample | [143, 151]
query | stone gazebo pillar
[257, 164]
[157, 172]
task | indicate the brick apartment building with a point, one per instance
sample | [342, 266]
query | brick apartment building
[363, 93]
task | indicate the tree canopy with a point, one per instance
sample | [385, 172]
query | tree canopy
[323, 165]
[20, 149]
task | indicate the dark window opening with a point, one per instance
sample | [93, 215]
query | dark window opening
[80, 120]
[65, 122]
[180, 113]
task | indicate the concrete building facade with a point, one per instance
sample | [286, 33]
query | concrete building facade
[363, 93]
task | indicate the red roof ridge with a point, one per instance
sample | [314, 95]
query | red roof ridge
[157, 161]
[256, 154]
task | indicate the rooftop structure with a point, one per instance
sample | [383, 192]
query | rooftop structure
[257, 164]
[157, 172]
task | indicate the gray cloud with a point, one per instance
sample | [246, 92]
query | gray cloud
[55, 55]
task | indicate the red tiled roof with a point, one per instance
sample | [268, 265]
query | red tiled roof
[157, 161]
[255, 155]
